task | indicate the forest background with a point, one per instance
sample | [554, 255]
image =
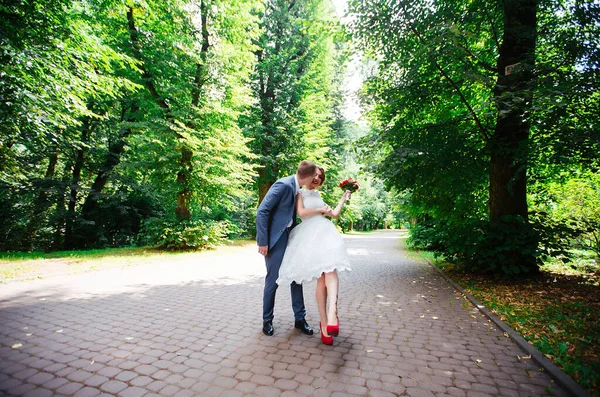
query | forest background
[163, 123]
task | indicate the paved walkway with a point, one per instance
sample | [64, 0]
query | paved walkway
[193, 329]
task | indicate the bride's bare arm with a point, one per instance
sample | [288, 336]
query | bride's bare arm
[302, 212]
[336, 211]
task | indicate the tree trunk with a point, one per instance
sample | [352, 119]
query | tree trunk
[182, 209]
[69, 237]
[59, 216]
[41, 203]
[513, 95]
[113, 158]
[509, 144]
[263, 188]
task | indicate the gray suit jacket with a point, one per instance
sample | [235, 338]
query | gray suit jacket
[275, 212]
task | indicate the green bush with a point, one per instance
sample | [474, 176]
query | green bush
[429, 236]
[578, 202]
[185, 235]
[504, 248]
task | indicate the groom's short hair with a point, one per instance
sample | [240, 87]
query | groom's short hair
[306, 168]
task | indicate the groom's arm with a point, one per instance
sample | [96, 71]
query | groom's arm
[263, 214]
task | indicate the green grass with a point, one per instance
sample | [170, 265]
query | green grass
[32, 265]
[93, 253]
[583, 263]
[14, 270]
[104, 252]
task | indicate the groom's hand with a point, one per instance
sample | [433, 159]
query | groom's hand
[263, 250]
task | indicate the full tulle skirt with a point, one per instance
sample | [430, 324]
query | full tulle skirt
[314, 247]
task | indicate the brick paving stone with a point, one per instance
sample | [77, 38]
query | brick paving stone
[156, 386]
[126, 376]
[25, 373]
[39, 392]
[141, 381]
[40, 378]
[185, 329]
[169, 390]
[87, 392]
[113, 386]
[184, 393]
[69, 388]
[132, 392]
[79, 376]
[109, 372]
[95, 380]
[55, 383]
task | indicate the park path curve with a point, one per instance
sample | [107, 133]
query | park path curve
[193, 329]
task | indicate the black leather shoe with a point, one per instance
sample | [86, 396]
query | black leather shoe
[303, 326]
[268, 328]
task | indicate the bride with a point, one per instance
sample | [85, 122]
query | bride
[316, 250]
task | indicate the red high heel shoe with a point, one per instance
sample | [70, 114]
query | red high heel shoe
[327, 340]
[334, 330]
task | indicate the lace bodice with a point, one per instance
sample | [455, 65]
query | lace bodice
[311, 199]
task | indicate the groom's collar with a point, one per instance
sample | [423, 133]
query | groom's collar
[296, 183]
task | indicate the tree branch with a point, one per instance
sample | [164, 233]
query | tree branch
[146, 76]
[200, 77]
[452, 83]
[494, 31]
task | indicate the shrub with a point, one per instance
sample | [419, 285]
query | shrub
[185, 235]
[508, 248]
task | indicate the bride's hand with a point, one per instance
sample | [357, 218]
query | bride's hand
[323, 210]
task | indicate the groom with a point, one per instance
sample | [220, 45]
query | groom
[275, 217]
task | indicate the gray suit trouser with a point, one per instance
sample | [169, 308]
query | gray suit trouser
[273, 262]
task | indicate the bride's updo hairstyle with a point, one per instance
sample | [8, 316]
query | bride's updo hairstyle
[306, 168]
[322, 176]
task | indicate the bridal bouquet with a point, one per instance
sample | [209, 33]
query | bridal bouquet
[349, 185]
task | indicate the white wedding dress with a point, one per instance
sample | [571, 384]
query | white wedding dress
[314, 246]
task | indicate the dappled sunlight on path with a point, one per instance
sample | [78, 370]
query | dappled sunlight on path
[193, 328]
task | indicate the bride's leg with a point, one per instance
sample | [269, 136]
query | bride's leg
[321, 302]
[332, 284]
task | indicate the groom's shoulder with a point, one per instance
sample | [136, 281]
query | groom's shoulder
[280, 186]
[286, 180]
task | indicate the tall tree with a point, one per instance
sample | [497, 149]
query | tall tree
[294, 86]
[513, 96]
[168, 82]
[459, 102]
